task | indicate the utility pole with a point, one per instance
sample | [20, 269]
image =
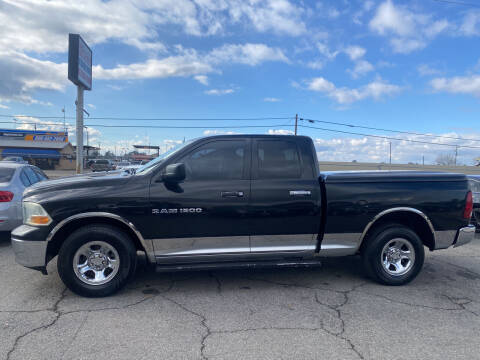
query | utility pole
[88, 146]
[456, 153]
[64, 126]
[423, 160]
[79, 130]
[390, 153]
[296, 123]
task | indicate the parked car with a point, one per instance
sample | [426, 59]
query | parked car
[102, 165]
[475, 187]
[14, 178]
[122, 165]
[17, 159]
[239, 201]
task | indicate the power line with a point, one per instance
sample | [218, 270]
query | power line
[150, 126]
[457, 3]
[388, 137]
[152, 119]
[390, 130]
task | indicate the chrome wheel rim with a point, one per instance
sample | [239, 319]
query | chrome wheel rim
[96, 262]
[398, 257]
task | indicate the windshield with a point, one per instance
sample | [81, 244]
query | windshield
[151, 164]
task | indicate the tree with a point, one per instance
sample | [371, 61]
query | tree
[445, 159]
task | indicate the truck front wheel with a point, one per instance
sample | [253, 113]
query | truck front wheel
[393, 255]
[96, 260]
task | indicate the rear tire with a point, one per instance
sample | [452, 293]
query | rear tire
[393, 255]
[97, 260]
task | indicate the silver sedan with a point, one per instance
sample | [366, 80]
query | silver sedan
[14, 178]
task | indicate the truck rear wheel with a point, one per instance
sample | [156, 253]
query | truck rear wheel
[393, 255]
[96, 260]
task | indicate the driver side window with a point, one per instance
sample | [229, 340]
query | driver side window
[217, 160]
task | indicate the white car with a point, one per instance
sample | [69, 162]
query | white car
[14, 178]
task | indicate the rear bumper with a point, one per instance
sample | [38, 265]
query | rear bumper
[465, 235]
[32, 254]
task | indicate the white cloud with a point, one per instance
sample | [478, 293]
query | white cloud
[278, 16]
[271, 99]
[408, 31]
[247, 54]
[188, 62]
[375, 90]
[361, 68]
[280, 132]
[219, 92]
[22, 75]
[427, 70]
[218, 132]
[4, 106]
[202, 79]
[91, 106]
[457, 85]
[355, 52]
[316, 64]
[469, 26]
[368, 149]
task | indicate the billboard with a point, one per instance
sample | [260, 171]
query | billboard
[79, 61]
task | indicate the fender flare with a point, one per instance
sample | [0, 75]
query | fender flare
[148, 249]
[393, 210]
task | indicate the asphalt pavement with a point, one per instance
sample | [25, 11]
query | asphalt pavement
[332, 312]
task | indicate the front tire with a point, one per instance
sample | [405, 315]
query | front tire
[393, 255]
[96, 260]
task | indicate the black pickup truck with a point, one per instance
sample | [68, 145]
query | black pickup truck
[239, 201]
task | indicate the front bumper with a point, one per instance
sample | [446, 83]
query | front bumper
[464, 235]
[32, 254]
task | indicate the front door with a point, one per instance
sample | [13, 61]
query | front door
[207, 213]
[285, 198]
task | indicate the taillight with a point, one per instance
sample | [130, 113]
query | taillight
[6, 196]
[467, 213]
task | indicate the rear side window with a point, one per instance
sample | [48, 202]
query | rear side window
[278, 159]
[40, 174]
[32, 177]
[24, 179]
[6, 175]
[102, 162]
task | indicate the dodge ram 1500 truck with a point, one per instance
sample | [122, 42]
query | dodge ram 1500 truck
[239, 201]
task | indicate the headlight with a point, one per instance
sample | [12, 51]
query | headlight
[34, 214]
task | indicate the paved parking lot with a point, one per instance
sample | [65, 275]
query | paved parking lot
[331, 312]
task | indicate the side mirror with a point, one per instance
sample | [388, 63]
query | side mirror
[174, 173]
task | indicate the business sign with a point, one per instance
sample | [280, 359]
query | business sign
[30, 135]
[79, 61]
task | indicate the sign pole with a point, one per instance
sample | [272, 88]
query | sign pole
[79, 130]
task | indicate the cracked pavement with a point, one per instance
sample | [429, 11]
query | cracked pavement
[332, 312]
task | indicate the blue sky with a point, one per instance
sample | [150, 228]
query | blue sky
[406, 65]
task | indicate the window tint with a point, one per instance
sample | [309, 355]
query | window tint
[24, 179]
[278, 159]
[32, 177]
[101, 162]
[40, 174]
[219, 160]
[6, 175]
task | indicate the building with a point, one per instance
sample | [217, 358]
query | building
[45, 149]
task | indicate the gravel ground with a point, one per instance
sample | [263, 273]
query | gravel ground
[332, 312]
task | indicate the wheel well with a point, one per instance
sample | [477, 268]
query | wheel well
[56, 242]
[409, 219]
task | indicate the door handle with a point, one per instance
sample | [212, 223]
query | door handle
[227, 194]
[300, 193]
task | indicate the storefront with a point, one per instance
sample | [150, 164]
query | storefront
[45, 149]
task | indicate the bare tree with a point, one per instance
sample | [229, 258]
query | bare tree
[445, 159]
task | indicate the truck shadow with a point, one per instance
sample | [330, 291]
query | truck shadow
[345, 270]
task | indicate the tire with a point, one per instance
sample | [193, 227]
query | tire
[387, 265]
[106, 259]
